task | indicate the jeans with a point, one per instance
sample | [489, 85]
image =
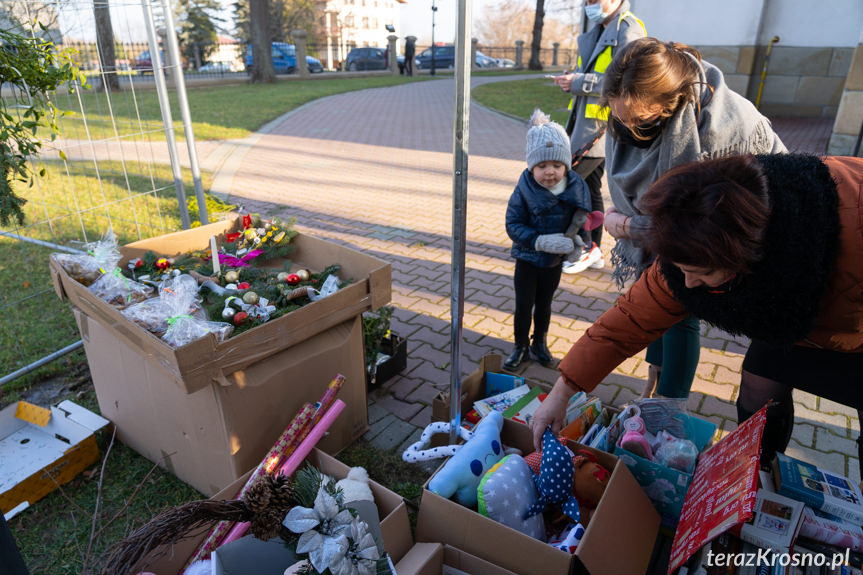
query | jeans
[676, 352]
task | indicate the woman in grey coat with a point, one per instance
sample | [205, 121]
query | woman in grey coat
[668, 108]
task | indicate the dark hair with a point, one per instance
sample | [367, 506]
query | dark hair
[648, 70]
[711, 214]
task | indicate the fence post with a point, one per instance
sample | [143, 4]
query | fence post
[392, 55]
[473, 43]
[299, 37]
[519, 48]
[556, 47]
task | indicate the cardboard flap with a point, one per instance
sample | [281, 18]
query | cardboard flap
[32, 414]
[83, 417]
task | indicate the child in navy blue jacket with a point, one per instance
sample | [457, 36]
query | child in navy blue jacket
[549, 203]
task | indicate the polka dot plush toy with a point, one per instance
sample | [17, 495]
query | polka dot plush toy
[554, 482]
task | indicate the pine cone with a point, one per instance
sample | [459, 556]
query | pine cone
[269, 499]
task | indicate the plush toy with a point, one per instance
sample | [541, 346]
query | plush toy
[555, 479]
[355, 487]
[461, 474]
[419, 451]
[589, 482]
[505, 493]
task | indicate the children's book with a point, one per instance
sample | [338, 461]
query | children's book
[775, 522]
[496, 383]
[525, 407]
[583, 419]
[573, 406]
[830, 492]
[500, 402]
[820, 527]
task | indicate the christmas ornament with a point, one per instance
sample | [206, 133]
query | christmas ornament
[228, 313]
[250, 298]
[163, 263]
[231, 276]
[240, 317]
[243, 285]
[293, 279]
[283, 276]
[304, 275]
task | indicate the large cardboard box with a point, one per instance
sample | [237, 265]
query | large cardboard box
[433, 558]
[41, 449]
[210, 437]
[618, 541]
[395, 525]
[204, 361]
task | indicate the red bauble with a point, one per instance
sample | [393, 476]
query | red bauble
[293, 279]
[243, 285]
[240, 317]
[162, 263]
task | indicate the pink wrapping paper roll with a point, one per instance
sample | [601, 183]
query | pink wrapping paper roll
[291, 437]
[296, 458]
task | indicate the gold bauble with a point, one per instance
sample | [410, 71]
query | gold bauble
[231, 276]
[304, 275]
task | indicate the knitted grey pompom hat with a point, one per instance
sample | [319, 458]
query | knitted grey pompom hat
[546, 141]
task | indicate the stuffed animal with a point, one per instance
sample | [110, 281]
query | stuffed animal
[589, 482]
[461, 474]
[505, 493]
[555, 479]
[355, 487]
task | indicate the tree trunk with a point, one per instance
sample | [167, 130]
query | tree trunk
[105, 43]
[536, 43]
[262, 54]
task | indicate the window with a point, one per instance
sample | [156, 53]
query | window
[365, 23]
[374, 23]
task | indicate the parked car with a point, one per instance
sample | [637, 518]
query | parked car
[217, 68]
[444, 57]
[144, 63]
[366, 58]
[285, 59]
[505, 63]
[483, 61]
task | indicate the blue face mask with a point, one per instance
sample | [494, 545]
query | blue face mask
[594, 13]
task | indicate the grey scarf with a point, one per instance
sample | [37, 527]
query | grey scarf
[727, 124]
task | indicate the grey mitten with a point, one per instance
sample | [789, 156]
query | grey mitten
[575, 254]
[554, 244]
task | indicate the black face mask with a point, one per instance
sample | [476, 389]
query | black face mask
[647, 134]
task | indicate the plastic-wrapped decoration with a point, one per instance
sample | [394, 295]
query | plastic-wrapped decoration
[89, 267]
[153, 314]
[180, 300]
[112, 286]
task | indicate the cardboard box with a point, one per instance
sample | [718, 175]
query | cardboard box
[204, 361]
[212, 436]
[619, 539]
[42, 448]
[433, 558]
[665, 486]
[473, 388]
[395, 526]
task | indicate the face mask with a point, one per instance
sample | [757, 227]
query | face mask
[647, 135]
[594, 13]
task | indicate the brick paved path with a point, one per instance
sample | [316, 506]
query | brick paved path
[373, 170]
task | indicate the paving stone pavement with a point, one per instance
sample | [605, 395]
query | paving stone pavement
[372, 170]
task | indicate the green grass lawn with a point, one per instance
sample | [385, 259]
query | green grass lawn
[521, 97]
[217, 112]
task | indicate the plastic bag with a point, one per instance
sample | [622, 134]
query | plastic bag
[87, 268]
[153, 314]
[666, 414]
[674, 452]
[112, 286]
[180, 300]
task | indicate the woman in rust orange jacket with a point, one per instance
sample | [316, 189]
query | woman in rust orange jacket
[729, 234]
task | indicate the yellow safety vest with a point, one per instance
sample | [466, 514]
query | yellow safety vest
[595, 111]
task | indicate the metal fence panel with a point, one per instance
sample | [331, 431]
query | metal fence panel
[108, 169]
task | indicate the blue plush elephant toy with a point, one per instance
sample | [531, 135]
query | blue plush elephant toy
[460, 476]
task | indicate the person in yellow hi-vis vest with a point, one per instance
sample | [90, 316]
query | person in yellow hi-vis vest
[614, 27]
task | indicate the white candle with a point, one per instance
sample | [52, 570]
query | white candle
[215, 253]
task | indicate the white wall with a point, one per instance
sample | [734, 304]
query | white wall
[833, 23]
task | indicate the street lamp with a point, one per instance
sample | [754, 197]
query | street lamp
[434, 9]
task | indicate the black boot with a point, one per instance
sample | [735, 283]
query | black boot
[540, 350]
[519, 355]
